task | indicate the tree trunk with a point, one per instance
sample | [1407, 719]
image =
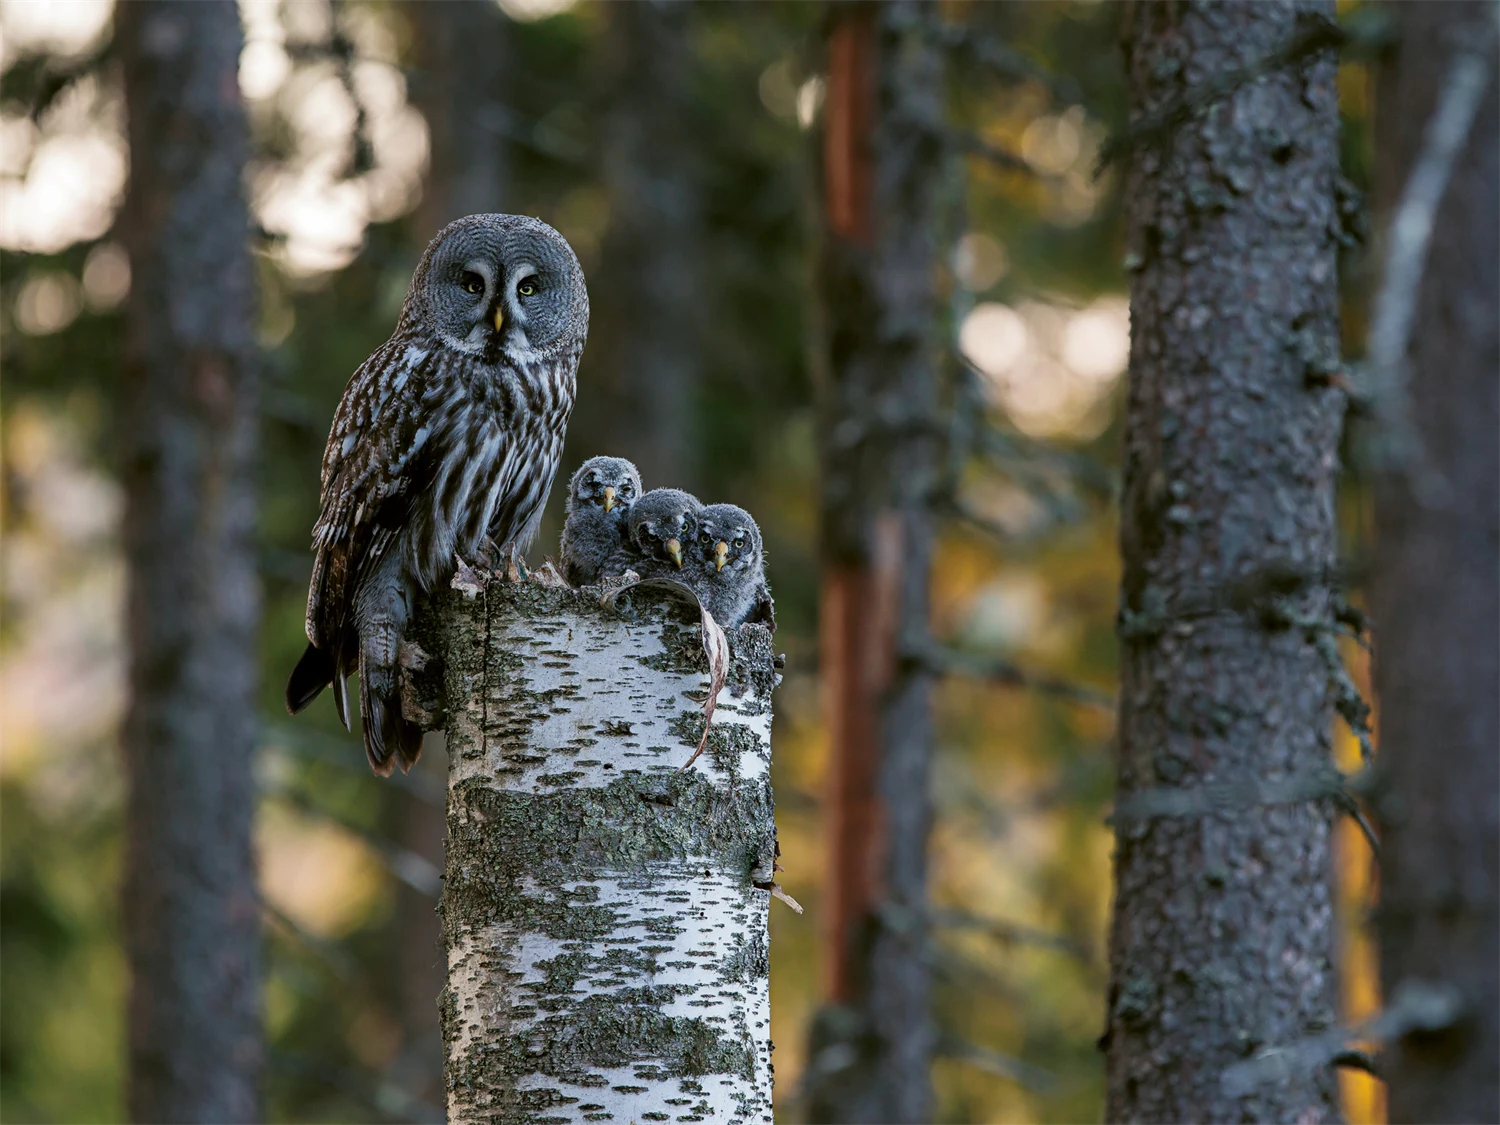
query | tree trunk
[1222, 940]
[650, 304]
[192, 924]
[1433, 593]
[464, 49]
[872, 1047]
[604, 913]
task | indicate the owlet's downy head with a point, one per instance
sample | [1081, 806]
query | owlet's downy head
[661, 523]
[726, 567]
[596, 535]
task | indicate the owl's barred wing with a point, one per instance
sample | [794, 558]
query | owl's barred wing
[375, 461]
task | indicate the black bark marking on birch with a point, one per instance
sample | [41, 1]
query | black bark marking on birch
[607, 946]
[1222, 937]
[1433, 594]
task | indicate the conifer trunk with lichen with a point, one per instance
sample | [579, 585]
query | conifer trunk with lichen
[604, 911]
[1223, 936]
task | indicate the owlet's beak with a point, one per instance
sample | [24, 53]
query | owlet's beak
[499, 317]
[609, 496]
[721, 555]
[674, 548]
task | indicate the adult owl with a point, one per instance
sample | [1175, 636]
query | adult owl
[450, 432]
[727, 568]
[596, 534]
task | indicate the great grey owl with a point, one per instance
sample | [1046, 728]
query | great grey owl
[661, 526]
[596, 536]
[726, 568]
[448, 433]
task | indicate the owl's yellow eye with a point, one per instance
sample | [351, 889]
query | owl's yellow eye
[473, 283]
[527, 288]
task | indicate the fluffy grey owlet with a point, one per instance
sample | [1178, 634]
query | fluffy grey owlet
[727, 568]
[449, 432]
[596, 536]
[661, 528]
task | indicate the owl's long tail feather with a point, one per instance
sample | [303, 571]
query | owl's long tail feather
[390, 739]
[313, 673]
[382, 614]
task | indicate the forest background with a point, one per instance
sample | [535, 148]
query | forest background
[673, 146]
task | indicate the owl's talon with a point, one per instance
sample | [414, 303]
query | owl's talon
[487, 555]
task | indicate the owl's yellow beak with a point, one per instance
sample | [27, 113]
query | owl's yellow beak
[674, 548]
[721, 555]
[499, 317]
[609, 498]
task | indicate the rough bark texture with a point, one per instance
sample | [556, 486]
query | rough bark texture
[872, 1046]
[1223, 927]
[465, 48]
[192, 924]
[1433, 594]
[607, 944]
[649, 303]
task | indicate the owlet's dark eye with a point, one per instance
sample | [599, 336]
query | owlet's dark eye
[473, 283]
[738, 543]
[705, 537]
[527, 288]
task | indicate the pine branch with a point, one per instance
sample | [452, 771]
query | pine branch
[941, 660]
[1156, 127]
[1002, 158]
[1415, 1006]
[994, 1062]
[1227, 796]
[1008, 933]
[986, 53]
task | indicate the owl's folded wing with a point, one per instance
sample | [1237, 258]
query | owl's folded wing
[374, 464]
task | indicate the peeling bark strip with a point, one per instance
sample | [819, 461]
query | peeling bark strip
[1223, 928]
[604, 911]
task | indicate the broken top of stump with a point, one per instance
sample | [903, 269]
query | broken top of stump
[557, 654]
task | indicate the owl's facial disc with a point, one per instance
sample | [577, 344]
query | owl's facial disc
[500, 284]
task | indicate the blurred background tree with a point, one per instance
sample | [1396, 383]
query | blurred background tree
[190, 437]
[677, 148]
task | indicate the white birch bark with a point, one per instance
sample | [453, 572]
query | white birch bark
[604, 913]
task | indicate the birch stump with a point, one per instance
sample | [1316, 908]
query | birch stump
[604, 911]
